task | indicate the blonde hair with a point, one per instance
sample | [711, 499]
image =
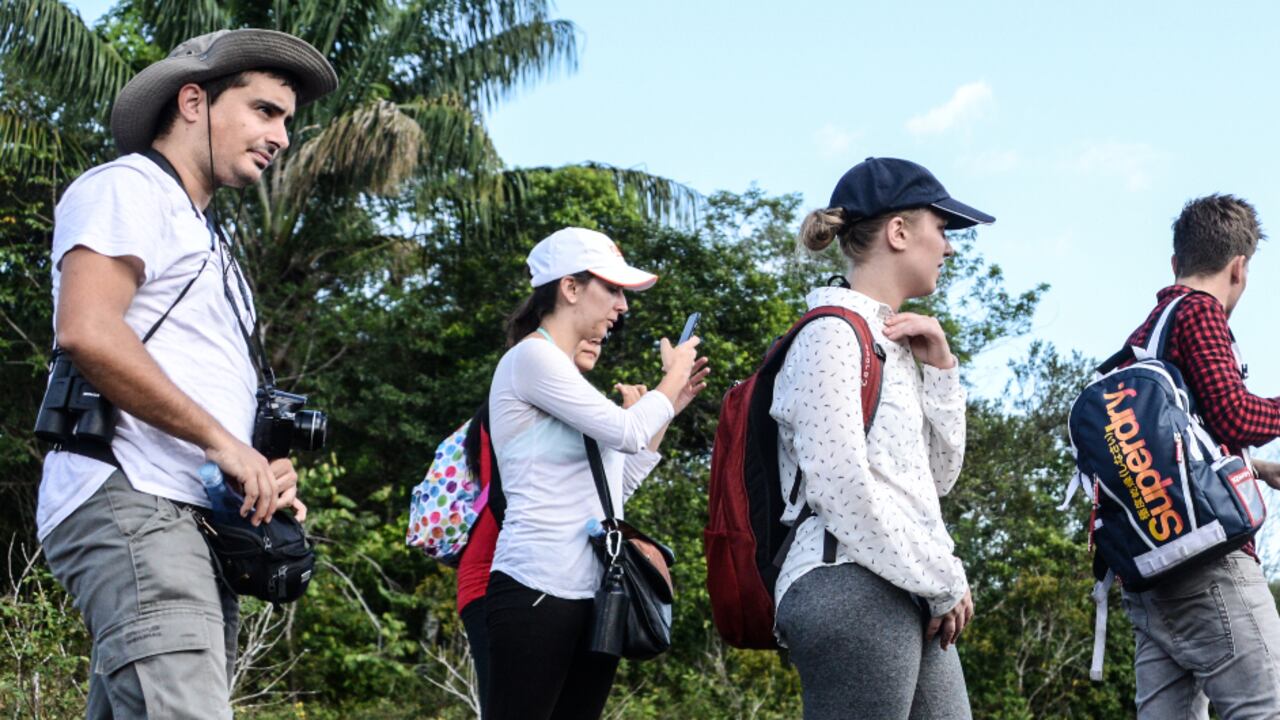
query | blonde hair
[821, 227]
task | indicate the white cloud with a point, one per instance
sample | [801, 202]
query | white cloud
[966, 103]
[1133, 164]
[834, 141]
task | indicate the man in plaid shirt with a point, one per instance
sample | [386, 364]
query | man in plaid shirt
[1211, 634]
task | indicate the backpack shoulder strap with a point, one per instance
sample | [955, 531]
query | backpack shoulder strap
[1157, 342]
[872, 354]
[872, 374]
[497, 502]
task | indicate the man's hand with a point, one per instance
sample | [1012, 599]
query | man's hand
[948, 625]
[1268, 472]
[928, 341]
[95, 294]
[254, 474]
[287, 488]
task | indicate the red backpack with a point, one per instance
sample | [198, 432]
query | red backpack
[745, 539]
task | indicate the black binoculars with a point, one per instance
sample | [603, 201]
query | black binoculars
[72, 407]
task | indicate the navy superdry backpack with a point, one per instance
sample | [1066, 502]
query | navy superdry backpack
[1165, 494]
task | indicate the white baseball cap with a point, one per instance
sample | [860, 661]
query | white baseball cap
[572, 250]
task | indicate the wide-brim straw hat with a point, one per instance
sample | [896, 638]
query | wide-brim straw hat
[225, 52]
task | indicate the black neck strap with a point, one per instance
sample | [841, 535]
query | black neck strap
[154, 156]
[252, 338]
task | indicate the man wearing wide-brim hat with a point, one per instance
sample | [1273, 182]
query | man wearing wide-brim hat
[152, 309]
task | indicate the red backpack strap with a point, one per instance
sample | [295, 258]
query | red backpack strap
[872, 355]
[486, 462]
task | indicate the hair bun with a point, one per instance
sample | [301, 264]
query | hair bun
[821, 227]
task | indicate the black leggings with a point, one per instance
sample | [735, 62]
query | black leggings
[539, 664]
[473, 619]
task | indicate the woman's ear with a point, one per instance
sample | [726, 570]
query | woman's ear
[895, 232]
[569, 289]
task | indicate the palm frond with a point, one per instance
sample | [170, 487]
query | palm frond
[374, 149]
[379, 147]
[475, 202]
[51, 43]
[475, 20]
[494, 67]
[32, 145]
[659, 199]
[398, 29]
[174, 22]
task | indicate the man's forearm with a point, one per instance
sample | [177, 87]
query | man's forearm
[119, 366]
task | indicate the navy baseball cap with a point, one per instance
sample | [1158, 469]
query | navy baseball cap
[877, 186]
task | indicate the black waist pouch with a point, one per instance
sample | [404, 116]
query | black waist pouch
[272, 562]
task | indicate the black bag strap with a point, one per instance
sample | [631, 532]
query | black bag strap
[154, 156]
[597, 473]
[252, 338]
[478, 444]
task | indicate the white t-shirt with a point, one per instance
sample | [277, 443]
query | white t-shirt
[539, 408]
[132, 207]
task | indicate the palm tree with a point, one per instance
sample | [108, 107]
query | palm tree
[399, 149]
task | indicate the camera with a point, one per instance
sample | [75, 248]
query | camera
[281, 425]
[72, 408]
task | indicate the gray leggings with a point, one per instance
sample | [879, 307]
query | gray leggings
[859, 645]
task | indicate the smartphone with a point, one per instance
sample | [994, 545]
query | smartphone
[690, 325]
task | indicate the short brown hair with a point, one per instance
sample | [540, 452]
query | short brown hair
[1211, 231]
[214, 89]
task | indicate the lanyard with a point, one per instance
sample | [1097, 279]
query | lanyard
[226, 258]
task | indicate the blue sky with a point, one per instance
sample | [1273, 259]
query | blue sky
[1082, 127]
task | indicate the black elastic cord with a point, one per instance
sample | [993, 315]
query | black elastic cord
[252, 337]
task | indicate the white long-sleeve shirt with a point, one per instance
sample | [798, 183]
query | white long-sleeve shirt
[876, 492]
[540, 407]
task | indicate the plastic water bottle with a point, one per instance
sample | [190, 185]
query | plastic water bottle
[594, 528]
[226, 502]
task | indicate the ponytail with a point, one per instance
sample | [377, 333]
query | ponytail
[821, 227]
[540, 303]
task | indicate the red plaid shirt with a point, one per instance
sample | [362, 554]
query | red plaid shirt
[1202, 347]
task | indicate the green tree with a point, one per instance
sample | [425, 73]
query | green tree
[398, 155]
[384, 272]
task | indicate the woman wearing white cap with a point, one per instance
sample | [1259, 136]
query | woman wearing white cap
[544, 573]
[871, 597]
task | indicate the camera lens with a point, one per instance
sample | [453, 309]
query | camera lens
[309, 429]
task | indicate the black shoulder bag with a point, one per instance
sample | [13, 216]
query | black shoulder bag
[632, 613]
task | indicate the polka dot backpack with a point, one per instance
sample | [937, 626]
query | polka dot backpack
[449, 499]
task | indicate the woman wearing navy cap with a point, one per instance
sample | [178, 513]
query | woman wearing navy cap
[870, 596]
